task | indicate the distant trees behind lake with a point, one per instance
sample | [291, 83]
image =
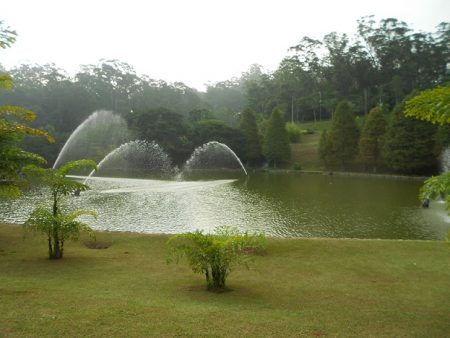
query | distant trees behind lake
[383, 63]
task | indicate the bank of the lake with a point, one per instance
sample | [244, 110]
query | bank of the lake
[311, 287]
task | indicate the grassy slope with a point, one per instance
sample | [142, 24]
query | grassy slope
[301, 287]
[306, 152]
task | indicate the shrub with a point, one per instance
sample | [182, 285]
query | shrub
[214, 255]
[294, 132]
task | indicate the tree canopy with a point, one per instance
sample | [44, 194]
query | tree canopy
[372, 137]
[276, 143]
[344, 134]
[248, 126]
[408, 146]
[432, 105]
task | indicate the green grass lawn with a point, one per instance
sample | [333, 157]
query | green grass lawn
[310, 287]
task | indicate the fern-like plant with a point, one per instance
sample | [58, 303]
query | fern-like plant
[214, 255]
[55, 224]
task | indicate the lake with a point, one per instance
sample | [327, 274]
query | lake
[278, 204]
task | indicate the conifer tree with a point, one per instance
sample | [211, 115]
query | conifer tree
[409, 144]
[344, 135]
[276, 146]
[371, 141]
[252, 148]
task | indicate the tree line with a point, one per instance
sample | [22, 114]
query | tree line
[387, 142]
[377, 67]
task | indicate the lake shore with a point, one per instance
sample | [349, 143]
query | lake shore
[341, 173]
[310, 287]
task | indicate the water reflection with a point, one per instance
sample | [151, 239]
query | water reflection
[278, 204]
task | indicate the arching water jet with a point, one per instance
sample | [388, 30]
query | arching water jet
[148, 157]
[101, 130]
[212, 155]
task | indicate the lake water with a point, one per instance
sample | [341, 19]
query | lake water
[278, 204]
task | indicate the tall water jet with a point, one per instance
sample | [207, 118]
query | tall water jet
[139, 157]
[95, 137]
[213, 155]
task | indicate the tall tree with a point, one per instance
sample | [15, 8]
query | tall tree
[409, 144]
[276, 146]
[252, 152]
[344, 135]
[371, 141]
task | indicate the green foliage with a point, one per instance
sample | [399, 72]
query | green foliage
[7, 36]
[249, 128]
[200, 114]
[436, 187]
[276, 143]
[344, 134]
[58, 227]
[6, 81]
[216, 130]
[55, 224]
[294, 132]
[432, 105]
[371, 140]
[408, 145]
[214, 255]
[165, 127]
[14, 126]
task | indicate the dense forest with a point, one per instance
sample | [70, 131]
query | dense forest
[379, 66]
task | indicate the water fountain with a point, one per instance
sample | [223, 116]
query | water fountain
[98, 134]
[213, 155]
[139, 157]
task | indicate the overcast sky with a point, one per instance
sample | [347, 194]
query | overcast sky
[193, 41]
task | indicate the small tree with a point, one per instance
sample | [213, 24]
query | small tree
[344, 134]
[371, 141]
[54, 223]
[214, 255]
[249, 128]
[276, 143]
